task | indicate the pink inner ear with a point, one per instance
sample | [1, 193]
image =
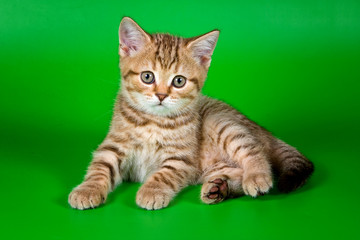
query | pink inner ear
[204, 60]
[125, 50]
[202, 52]
[130, 41]
[126, 39]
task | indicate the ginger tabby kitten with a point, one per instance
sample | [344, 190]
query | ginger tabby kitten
[167, 135]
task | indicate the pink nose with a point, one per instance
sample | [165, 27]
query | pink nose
[161, 96]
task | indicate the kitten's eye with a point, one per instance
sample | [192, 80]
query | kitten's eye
[179, 81]
[147, 77]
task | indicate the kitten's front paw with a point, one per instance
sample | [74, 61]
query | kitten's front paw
[152, 198]
[257, 184]
[86, 196]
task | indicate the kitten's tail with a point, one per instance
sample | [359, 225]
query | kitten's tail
[292, 168]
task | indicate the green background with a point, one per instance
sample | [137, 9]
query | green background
[292, 66]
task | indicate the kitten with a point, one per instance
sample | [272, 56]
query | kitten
[166, 134]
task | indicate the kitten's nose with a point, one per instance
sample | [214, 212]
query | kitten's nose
[161, 96]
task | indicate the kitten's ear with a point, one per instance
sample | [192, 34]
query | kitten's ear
[131, 37]
[202, 47]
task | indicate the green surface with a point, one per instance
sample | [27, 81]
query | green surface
[292, 66]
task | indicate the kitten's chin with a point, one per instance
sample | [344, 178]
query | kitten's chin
[169, 109]
[161, 110]
[166, 111]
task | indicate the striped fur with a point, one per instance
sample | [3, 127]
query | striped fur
[184, 137]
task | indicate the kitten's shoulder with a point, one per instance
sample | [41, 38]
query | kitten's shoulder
[206, 100]
[215, 106]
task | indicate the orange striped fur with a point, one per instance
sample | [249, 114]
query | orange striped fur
[167, 135]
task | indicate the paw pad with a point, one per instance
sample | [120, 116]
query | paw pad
[215, 191]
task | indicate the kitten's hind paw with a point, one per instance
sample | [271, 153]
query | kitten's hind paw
[214, 191]
[257, 184]
[86, 196]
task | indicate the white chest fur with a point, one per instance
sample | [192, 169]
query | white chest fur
[144, 157]
[142, 161]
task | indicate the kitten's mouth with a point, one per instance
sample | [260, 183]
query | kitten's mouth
[160, 104]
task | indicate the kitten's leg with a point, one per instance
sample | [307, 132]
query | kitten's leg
[242, 147]
[158, 190]
[257, 175]
[220, 182]
[102, 176]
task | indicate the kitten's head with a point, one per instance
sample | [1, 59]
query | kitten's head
[163, 74]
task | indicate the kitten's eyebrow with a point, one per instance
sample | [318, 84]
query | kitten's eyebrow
[130, 72]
